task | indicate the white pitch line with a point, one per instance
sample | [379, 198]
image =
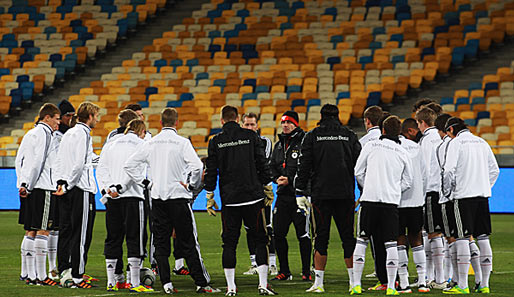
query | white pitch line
[502, 272]
[95, 295]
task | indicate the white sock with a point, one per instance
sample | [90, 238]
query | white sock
[453, 255]
[419, 259]
[391, 263]
[475, 261]
[403, 263]
[30, 258]
[318, 277]
[359, 258]
[463, 258]
[252, 260]
[129, 278]
[52, 250]
[230, 276]
[135, 266]
[110, 266]
[350, 275]
[263, 275]
[429, 270]
[447, 262]
[272, 260]
[23, 252]
[41, 248]
[179, 263]
[486, 259]
[437, 247]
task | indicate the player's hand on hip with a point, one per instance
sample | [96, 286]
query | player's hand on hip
[23, 192]
[188, 187]
[211, 204]
[60, 191]
[147, 184]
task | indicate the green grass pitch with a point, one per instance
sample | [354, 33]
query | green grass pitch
[336, 278]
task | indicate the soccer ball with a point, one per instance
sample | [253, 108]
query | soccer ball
[66, 279]
[67, 283]
[147, 276]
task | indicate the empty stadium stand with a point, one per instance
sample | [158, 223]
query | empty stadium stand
[270, 56]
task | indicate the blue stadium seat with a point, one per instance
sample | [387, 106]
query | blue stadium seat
[262, 89]
[294, 89]
[149, 91]
[174, 104]
[215, 131]
[483, 115]
[186, 97]
[478, 100]
[313, 102]
[249, 96]
[297, 102]
[374, 98]
[202, 75]
[250, 82]
[470, 122]
[343, 95]
[446, 100]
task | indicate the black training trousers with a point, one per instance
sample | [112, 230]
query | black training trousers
[253, 217]
[124, 218]
[269, 223]
[177, 214]
[287, 212]
[77, 211]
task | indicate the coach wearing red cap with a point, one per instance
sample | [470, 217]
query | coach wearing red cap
[284, 163]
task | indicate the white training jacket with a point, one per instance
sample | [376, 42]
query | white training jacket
[429, 141]
[75, 159]
[171, 158]
[415, 196]
[441, 151]
[373, 133]
[36, 158]
[384, 170]
[470, 169]
[19, 162]
[110, 166]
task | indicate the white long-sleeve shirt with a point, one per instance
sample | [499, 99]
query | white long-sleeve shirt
[76, 159]
[415, 196]
[171, 159]
[36, 158]
[430, 140]
[470, 169]
[441, 151]
[110, 166]
[373, 133]
[384, 170]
